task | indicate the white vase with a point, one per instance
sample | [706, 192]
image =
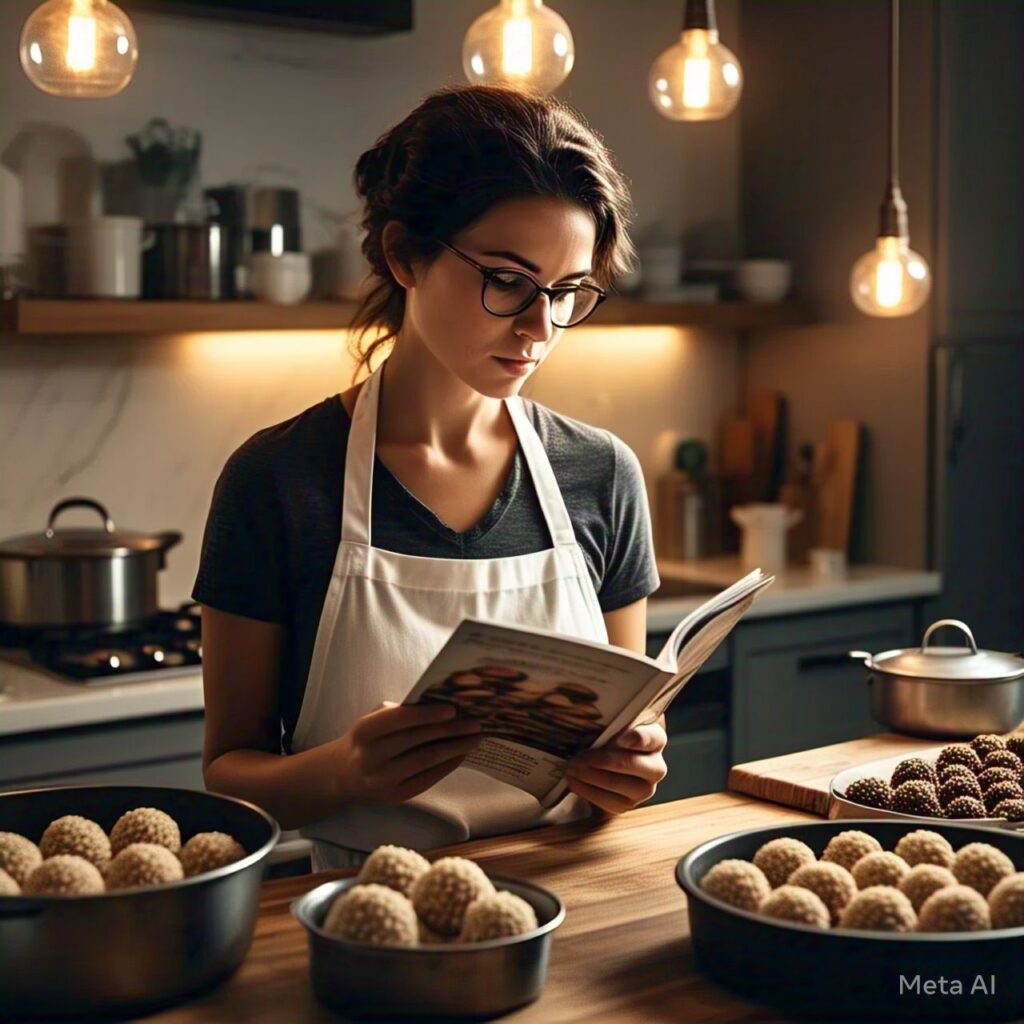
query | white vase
[764, 529]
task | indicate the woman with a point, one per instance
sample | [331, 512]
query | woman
[345, 544]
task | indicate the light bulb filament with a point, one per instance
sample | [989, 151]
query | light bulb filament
[889, 283]
[696, 82]
[517, 47]
[81, 52]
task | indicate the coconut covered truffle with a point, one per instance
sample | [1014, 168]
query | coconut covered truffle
[987, 742]
[796, 904]
[965, 807]
[375, 915]
[443, 893]
[779, 858]
[831, 883]
[395, 867]
[881, 868]
[497, 917]
[19, 856]
[981, 866]
[142, 864]
[958, 753]
[738, 883]
[871, 792]
[925, 847]
[914, 768]
[8, 886]
[848, 847]
[923, 880]
[207, 851]
[64, 875]
[79, 836]
[916, 797]
[956, 908]
[1006, 902]
[145, 825]
[879, 908]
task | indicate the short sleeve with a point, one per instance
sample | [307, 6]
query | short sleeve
[631, 571]
[241, 566]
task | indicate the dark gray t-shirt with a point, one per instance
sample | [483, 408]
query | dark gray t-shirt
[275, 524]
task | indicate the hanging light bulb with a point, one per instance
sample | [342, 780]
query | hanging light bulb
[697, 79]
[520, 44]
[83, 48]
[892, 279]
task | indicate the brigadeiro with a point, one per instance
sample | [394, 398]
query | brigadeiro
[958, 753]
[795, 904]
[1003, 759]
[959, 785]
[145, 825]
[1012, 810]
[990, 776]
[19, 856]
[923, 880]
[965, 807]
[394, 866]
[831, 883]
[924, 847]
[879, 908]
[913, 768]
[78, 836]
[871, 792]
[738, 883]
[375, 915]
[956, 908]
[846, 848]
[1015, 744]
[981, 866]
[916, 797]
[1006, 902]
[881, 868]
[64, 875]
[984, 744]
[779, 858]
[1001, 791]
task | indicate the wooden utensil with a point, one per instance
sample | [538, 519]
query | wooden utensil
[836, 483]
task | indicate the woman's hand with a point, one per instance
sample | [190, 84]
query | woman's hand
[624, 773]
[398, 751]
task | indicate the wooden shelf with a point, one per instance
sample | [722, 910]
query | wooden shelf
[118, 316]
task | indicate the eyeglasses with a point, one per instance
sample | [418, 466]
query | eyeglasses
[507, 292]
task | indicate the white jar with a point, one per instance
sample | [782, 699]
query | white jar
[284, 279]
[105, 257]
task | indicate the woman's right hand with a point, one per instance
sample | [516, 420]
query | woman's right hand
[398, 751]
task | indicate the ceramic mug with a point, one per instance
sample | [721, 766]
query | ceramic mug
[284, 279]
[105, 257]
[763, 280]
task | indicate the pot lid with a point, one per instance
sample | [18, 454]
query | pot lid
[99, 541]
[955, 664]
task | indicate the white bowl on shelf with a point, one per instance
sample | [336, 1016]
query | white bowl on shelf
[284, 279]
[764, 280]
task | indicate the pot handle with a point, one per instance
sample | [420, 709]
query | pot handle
[862, 656]
[949, 622]
[61, 506]
[168, 538]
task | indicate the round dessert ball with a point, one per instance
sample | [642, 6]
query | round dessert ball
[957, 908]
[924, 847]
[959, 785]
[394, 866]
[145, 825]
[1001, 791]
[879, 908]
[207, 851]
[1003, 759]
[77, 835]
[923, 880]
[984, 744]
[443, 893]
[981, 866]
[990, 776]
[796, 904]
[779, 858]
[1012, 810]
[871, 792]
[965, 807]
[831, 883]
[19, 856]
[958, 753]
[142, 864]
[953, 770]
[846, 848]
[737, 882]
[1006, 902]
[8, 886]
[497, 917]
[1015, 744]
[912, 768]
[881, 868]
[917, 797]
[375, 915]
[64, 875]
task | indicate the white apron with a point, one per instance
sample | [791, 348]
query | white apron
[385, 617]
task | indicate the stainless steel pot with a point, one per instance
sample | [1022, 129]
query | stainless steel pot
[954, 692]
[98, 576]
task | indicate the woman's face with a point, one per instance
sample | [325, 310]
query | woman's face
[551, 239]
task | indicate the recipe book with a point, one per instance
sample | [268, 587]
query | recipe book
[543, 697]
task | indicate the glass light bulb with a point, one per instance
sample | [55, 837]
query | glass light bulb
[891, 280]
[520, 44]
[697, 79]
[84, 48]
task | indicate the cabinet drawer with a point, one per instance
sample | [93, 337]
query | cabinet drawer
[794, 686]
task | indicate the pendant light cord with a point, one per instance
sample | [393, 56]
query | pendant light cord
[894, 91]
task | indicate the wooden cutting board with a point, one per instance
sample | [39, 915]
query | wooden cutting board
[836, 483]
[766, 412]
[801, 780]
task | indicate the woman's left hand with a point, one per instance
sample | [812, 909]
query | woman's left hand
[624, 773]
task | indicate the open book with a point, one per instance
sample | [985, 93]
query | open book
[543, 697]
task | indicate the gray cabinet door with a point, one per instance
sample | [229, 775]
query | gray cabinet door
[794, 686]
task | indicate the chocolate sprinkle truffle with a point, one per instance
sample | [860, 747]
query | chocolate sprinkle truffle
[882, 868]
[76, 835]
[981, 866]
[145, 825]
[923, 880]
[1012, 810]
[1001, 791]
[965, 807]
[64, 875]
[738, 883]
[913, 768]
[957, 908]
[831, 883]
[19, 856]
[916, 797]
[959, 785]
[958, 753]
[953, 770]
[984, 744]
[796, 904]
[1006, 902]
[846, 848]
[1003, 759]
[779, 858]
[924, 847]
[375, 915]
[990, 776]
[871, 792]
[879, 908]
[394, 866]
[1015, 744]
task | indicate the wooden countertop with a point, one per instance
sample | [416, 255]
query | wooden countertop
[622, 955]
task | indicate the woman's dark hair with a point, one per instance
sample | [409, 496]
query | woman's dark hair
[461, 152]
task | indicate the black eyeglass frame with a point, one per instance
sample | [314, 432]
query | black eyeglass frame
[488, 272]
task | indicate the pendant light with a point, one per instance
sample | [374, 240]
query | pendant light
[892, 279]
[83, 48]
[697, 79]
[520, 44]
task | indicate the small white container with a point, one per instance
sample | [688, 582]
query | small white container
[284, 279]
[764, 280]
[105, 257]
[764, 529]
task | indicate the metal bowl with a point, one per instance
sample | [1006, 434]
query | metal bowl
[847, 973]
[129, 952]
[476, 979]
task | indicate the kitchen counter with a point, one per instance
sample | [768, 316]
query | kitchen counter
[623, 954]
